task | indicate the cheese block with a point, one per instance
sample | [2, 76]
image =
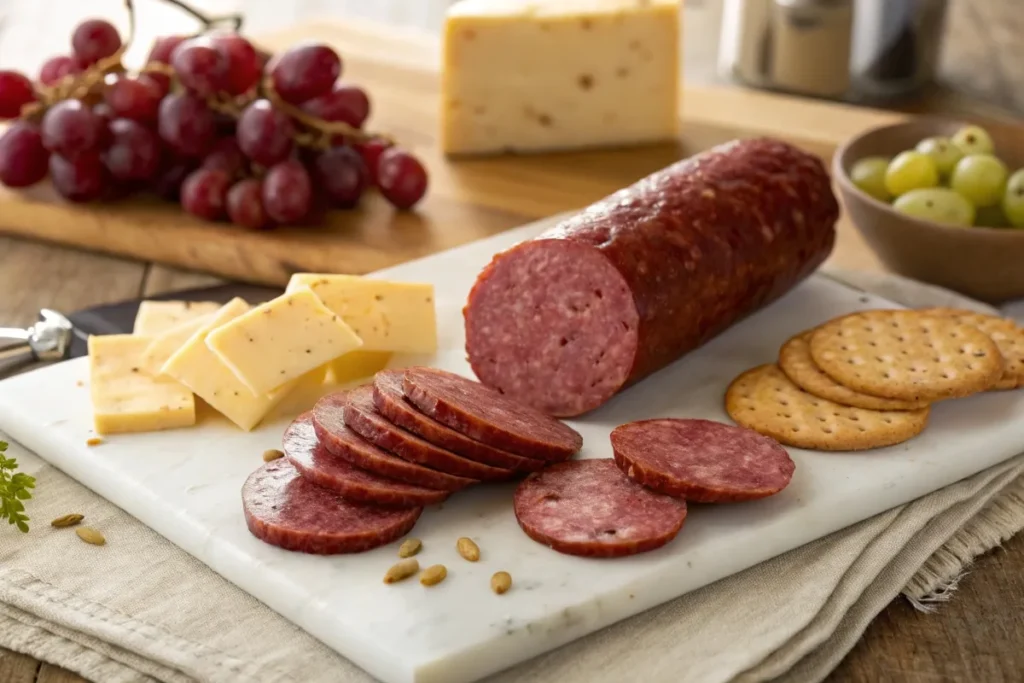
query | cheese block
[281, 340]
[163, 346]
[527, 76]
[356, 365]
[199, 369]
[387, 316]
[126, 399]
[156, 317]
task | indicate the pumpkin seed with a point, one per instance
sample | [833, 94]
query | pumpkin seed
[67, 520]
[272, 454]
[409, 547]
[90, 535]
[402, 570]
[501, 582]
[468, 549]
[433, 575]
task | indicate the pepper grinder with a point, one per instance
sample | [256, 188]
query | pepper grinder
[48, 341]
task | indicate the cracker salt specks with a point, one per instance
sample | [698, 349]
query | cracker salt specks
[1007, 335]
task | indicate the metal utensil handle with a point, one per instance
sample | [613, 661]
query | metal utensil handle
[12, 334]
[15, 357]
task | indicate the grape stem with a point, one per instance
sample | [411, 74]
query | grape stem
[325, 129]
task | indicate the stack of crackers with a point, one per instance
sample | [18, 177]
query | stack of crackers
[867, 380]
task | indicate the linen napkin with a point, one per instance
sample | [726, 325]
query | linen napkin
[140, 609]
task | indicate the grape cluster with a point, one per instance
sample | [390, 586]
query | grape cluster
[956, 181]
[211, 121]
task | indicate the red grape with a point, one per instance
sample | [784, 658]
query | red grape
[134, 98]
[304, 72]
[94, 40]
[245, 204]
[371, 151]
[347, 103]
[167, 183]
[15, 92]
[82, 179]
[402, 179]
[56, 68]
[244, 69]
[265, 133]
[340, 174]
[287, 192]
[23, 159]
[227, 157]
[204, 193]
[103, 110]
[70, 129]
[159, 83]
[187, 124]
[200, 66]
[163, 47]
[134, 153]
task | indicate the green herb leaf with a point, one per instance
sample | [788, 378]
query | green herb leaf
[14, 488]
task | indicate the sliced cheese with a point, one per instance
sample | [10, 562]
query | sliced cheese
[126, 399]
[356, 365]
[199, 368]
[156, 317]
[525, 75]
[164, 345]
[387, 316]
[281, 340]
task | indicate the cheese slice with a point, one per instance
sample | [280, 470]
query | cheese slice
[356, 365]
[281, 340]
[526, 75]
[387, 316]
[126, 399]
[156, 317]
[199, 368]
[164, 345]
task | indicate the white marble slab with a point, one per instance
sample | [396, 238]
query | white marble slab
[185, 484]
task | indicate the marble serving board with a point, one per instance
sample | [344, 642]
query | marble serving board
[185, 484]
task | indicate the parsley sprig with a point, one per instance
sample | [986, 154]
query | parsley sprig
[14, 488]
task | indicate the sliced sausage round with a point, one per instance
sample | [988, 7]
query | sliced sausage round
[701, 460]
[483, 414]
[329, 424]
[283, 509]
[589, 508]
[390, 402]
[315, 463]
[362, 418]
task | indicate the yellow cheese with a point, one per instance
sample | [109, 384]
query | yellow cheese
[356, 365]
[164, 345]
[156, 317]
[282, 340]
[199, 368]
[124, 398]
[387, 316]
[526, 75]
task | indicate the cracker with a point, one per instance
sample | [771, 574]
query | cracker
[1007, 335]
[765, 400]
[907, 355]
[796, 362]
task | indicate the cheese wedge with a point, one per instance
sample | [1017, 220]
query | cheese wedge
[156, 317]
[388, 316]
[281, 340]
[527, 76]
[164, 345]
[126, 399]
[199, 369]
[356, 365]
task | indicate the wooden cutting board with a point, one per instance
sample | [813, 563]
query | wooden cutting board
[468, 199]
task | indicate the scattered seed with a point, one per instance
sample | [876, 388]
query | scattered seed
[409, 547]
[90, 535]
[402, 570]
[94, 441]
[468, 549]
[67, 520]
[501, 582]
[272, 454]
[433, 575]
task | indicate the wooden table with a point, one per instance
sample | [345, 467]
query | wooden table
[975, 637]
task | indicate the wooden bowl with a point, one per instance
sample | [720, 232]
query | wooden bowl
[984, 263]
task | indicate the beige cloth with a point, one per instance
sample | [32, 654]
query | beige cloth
[143, 610]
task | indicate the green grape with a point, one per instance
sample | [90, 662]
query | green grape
[1013, 199]
[942, 151]
[991, 217]
[974, 140]
[936, 204]
[910, 171]
[981, 178]
[869, 175]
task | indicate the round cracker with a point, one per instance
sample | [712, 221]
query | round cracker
[907, 355]
[765, 400]
[796, 362]
[1007, 335]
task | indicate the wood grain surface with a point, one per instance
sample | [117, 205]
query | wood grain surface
[977, 636]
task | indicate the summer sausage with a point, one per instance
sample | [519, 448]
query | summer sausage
[565, 321]
[484, 414]
[283, 509]
[590, 508]
[701, 460]
[315, 463]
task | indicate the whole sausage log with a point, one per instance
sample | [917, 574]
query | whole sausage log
[565, 321]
